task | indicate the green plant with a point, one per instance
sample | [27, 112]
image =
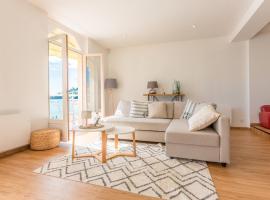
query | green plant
[176, 87]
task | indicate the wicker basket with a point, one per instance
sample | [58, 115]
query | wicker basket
[44, 139]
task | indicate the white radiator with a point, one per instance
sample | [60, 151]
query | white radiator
[15, 130]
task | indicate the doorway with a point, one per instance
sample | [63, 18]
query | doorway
[75, 84]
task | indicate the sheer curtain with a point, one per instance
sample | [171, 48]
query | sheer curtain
[93, 83]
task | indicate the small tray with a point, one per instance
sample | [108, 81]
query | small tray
[91, 126]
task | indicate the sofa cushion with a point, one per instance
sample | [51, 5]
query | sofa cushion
[145, 124]
[199, 106]
[138, 109]
[178, 109]
[157, 110]
[178, 132]
[189, 109]
[170, 108]
[123, 108]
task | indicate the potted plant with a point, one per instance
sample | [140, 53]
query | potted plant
[176, 87]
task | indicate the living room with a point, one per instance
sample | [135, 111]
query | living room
[135, 99]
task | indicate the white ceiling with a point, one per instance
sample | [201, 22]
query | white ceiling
[121, 23]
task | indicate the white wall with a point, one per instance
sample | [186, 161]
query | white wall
[23, 61]
[211, 70]
[94, 47]
[259, 72]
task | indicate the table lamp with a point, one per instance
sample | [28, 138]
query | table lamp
[152, 85]
[85, 115]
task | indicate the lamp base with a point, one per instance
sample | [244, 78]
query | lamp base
[152, 91]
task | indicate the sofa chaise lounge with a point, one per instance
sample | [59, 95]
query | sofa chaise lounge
[210, 144]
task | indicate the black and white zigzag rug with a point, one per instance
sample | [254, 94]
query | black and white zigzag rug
[151, 173]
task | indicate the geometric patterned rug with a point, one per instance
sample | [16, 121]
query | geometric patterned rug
[151, 173]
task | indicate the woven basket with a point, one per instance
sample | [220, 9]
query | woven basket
[44, 139]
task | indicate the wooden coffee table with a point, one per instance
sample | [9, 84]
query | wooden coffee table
[105, 131]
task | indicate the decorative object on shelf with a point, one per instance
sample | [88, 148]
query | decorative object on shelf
[176, 87]
[110, 84]
[162, 91]
[152, 85]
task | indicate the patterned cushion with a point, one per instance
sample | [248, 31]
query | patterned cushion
[189, 109]
[138, 109]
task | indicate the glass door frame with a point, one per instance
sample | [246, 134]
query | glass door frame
[80, 87]
[102, 78]
[63, 124]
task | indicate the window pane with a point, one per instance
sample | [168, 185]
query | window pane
[55, 82]
[74, 64]
[93, 84]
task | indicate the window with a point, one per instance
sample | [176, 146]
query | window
[55, 82]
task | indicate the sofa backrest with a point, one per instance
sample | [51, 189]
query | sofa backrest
[170, 109]
[174, 109]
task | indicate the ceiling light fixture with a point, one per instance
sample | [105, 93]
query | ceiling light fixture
[194, 26]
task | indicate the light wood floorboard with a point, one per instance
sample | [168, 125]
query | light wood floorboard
[247, 178]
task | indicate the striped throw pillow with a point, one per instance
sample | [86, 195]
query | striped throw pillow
[189, 109]
[138, 109]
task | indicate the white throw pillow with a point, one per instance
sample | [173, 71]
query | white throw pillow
[199, 106]
[138, 109]
[157, 110]
[203, 118]
[122, 109]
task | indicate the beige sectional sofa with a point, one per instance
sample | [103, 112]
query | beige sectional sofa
[210, 144]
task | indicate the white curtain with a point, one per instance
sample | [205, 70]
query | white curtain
[93, 83]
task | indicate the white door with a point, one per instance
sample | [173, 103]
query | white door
[58, 84]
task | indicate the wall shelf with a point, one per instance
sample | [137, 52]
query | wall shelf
[174, 97]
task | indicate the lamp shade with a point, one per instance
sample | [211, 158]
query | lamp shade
[152, 84]
[110, 83]
[86, 114]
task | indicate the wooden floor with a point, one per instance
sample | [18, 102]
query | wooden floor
[248, 176]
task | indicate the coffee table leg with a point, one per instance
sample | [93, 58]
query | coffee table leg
[134, 144]
[116, 141]
[73, 144]
[104, 146]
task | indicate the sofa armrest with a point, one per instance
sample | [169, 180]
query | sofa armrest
[222, 127]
